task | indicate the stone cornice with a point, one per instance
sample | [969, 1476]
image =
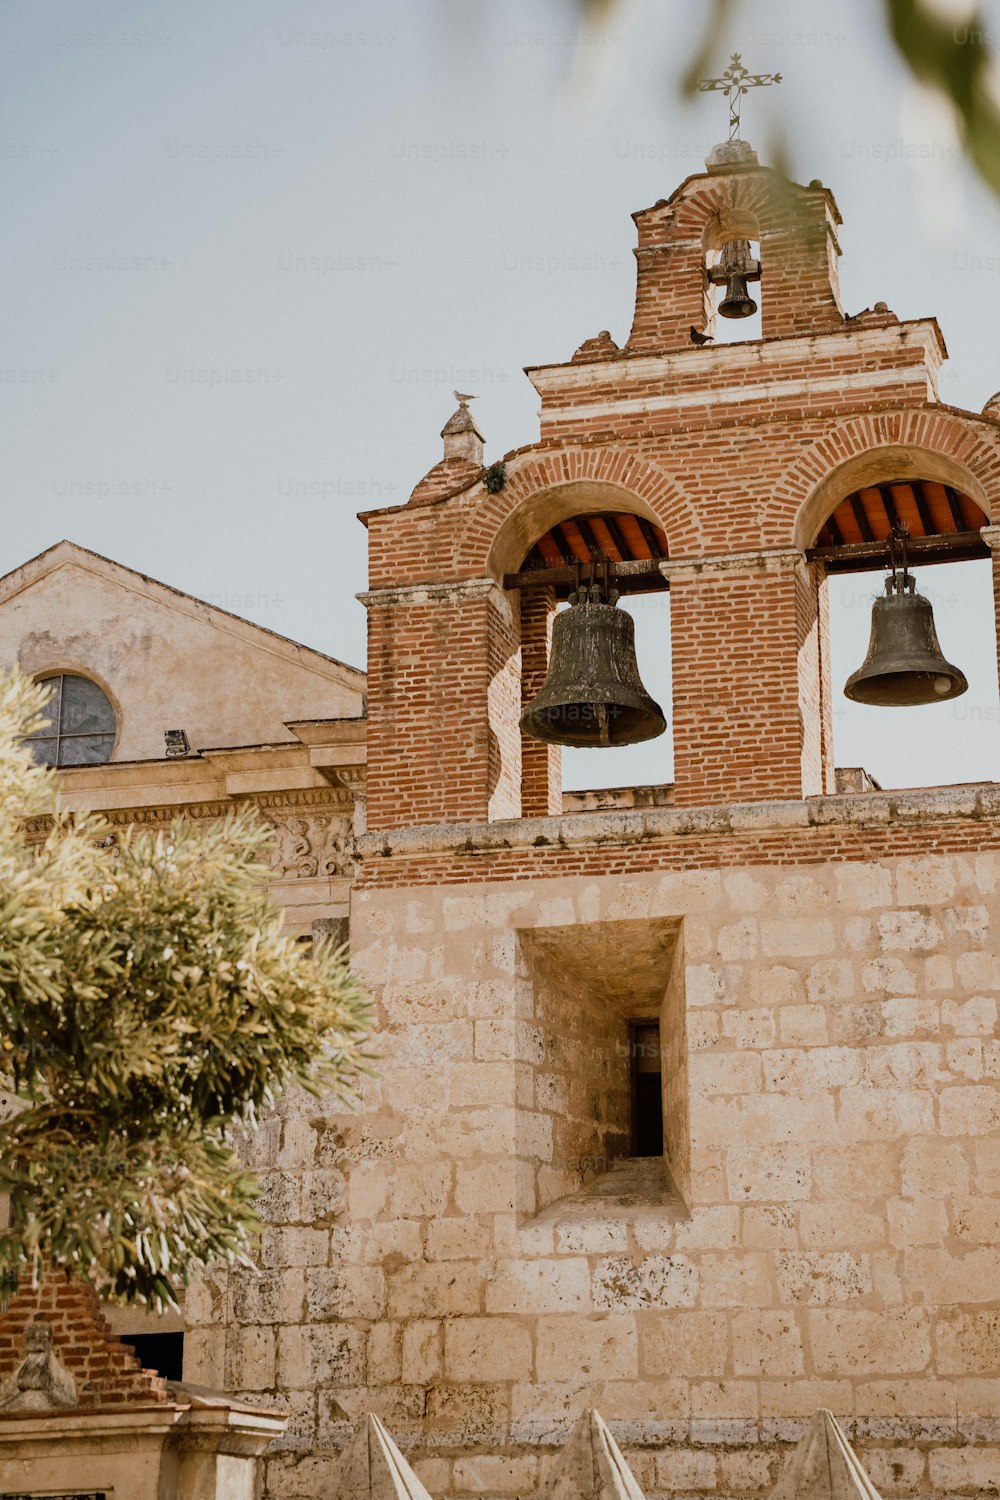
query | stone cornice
[322, 799]
[288, 771]
[430, 593]
[664, 369]
[768, 560]
[647, 825]
[916, 380]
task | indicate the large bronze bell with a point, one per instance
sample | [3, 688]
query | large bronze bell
[905, 664]
[592, 693]
[735, 267]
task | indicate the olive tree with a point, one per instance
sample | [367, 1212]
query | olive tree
[150, 1007]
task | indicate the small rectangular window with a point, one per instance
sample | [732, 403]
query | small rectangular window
[647, 1089]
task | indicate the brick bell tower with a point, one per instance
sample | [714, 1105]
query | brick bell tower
[737, 475]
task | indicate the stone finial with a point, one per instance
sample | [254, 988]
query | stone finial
[727, 154]
[372, 1468]
[462, 438]
[41, 1381]
[590, 1466]
[824, 1466]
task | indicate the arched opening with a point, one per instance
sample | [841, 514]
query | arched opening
[538, 513]
[734, 273]
[934, 744]
[894, 464]
[622, 549]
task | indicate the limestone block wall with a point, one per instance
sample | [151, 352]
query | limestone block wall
[837, 1244]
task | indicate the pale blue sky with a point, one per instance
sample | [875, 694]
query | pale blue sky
[249, 248]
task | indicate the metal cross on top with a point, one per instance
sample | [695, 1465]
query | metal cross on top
[734, 83]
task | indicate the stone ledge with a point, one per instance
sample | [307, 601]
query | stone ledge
[637, 1187]
[617, 798]
[631, 826]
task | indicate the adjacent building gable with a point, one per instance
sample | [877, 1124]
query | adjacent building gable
[165, 659]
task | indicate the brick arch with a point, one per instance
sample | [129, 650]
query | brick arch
[692, 214]
[930, 443]
[544, 488]
[760, 194]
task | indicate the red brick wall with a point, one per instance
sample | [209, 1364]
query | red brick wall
[443, 702]
[672, 291]
[541, 763]
[796, 232]
[503, 702]
[825, 682]
[733, 450]
[691, 849]
[738, 728]
[106, 1371]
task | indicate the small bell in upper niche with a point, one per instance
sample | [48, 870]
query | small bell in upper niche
[735, 268]
[905, 664]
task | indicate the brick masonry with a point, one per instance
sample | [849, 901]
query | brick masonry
[823, 965]
[106, 1372]
[747, 670]
[462, 1255]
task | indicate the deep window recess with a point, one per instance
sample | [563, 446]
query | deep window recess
[162, 1352]
[647, 1089]
[79, 728]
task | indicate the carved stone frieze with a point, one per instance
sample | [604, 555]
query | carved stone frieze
[313, 829]
[319, 844]
[318, 796]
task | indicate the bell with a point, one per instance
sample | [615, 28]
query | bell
[736, 265]
[905, 664]
[592, 694]
[737, 303]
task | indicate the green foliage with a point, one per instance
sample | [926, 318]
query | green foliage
[150, 1007]
[956, 60]
[495, 478]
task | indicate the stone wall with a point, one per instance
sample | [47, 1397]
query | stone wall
[835, 1243]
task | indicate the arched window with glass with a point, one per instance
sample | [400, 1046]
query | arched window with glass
[80, 725]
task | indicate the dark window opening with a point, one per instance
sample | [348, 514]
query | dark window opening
[647, 1089]
[162, 1352]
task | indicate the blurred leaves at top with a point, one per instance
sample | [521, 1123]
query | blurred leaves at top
[954, 60]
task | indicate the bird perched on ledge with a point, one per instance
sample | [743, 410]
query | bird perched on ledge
[461, 397]
[697, 337]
